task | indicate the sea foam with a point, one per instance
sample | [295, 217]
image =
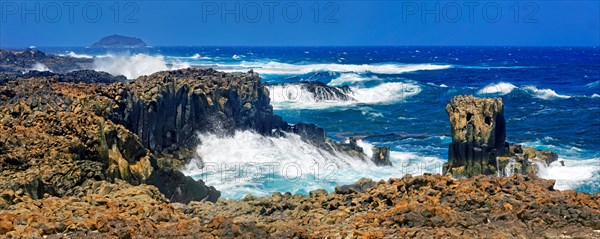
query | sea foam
[501, 88]
[350, 78]
[573, 174]
[249, 163]
[504, 88]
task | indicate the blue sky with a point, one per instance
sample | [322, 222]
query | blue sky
[303, 23]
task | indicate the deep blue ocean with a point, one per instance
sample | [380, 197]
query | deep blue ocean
[551, 101]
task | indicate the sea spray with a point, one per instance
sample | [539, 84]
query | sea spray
[133, 66]
[249, 163]
[510, 168]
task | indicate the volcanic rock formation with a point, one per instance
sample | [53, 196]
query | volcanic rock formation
[478, 141]
[478, 135]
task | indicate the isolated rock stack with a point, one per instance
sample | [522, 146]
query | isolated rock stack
[478, 135]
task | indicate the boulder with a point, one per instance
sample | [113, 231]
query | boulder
[309, 132]
[381, 156]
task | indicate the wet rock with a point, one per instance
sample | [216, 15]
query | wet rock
[381, 156]
[309, 132]
[180, 188]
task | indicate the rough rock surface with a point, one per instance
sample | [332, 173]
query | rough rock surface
[381, 156]
[478, 141]
[55, 136]
[17, 62]
[430, 206]
[167, 109]
[478, 135]
[524, 160]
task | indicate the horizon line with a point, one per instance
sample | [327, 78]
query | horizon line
[299, 46]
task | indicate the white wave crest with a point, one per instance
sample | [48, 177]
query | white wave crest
[501, 88]
[573, 174]
[249, 163]
[594, 84]
[75, 55]
[39, 67]
[545, 94]
[595, 96]
[350, 78]
[385, 93]
[277, 68]
[133, 66]
[296, 96]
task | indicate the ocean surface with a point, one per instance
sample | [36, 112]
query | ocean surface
[551, 101]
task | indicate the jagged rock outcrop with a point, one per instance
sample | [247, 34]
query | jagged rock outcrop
[56, 136]
[478, 141]
[167, 109]
[17, 62]
[478, 135]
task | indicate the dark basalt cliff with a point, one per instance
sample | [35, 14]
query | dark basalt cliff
[167, 109]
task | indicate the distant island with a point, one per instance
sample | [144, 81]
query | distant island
[118, 41]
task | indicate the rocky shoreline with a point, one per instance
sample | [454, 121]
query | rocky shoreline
[87, 154]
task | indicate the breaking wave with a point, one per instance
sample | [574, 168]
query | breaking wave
[573, 174]
[39, 67]
[249, 163]
[351, 78]
[297, 96]
[545, 94]
[75, 55]
[277, 68]
[501, 88]
[504, 88]
[133, 66]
